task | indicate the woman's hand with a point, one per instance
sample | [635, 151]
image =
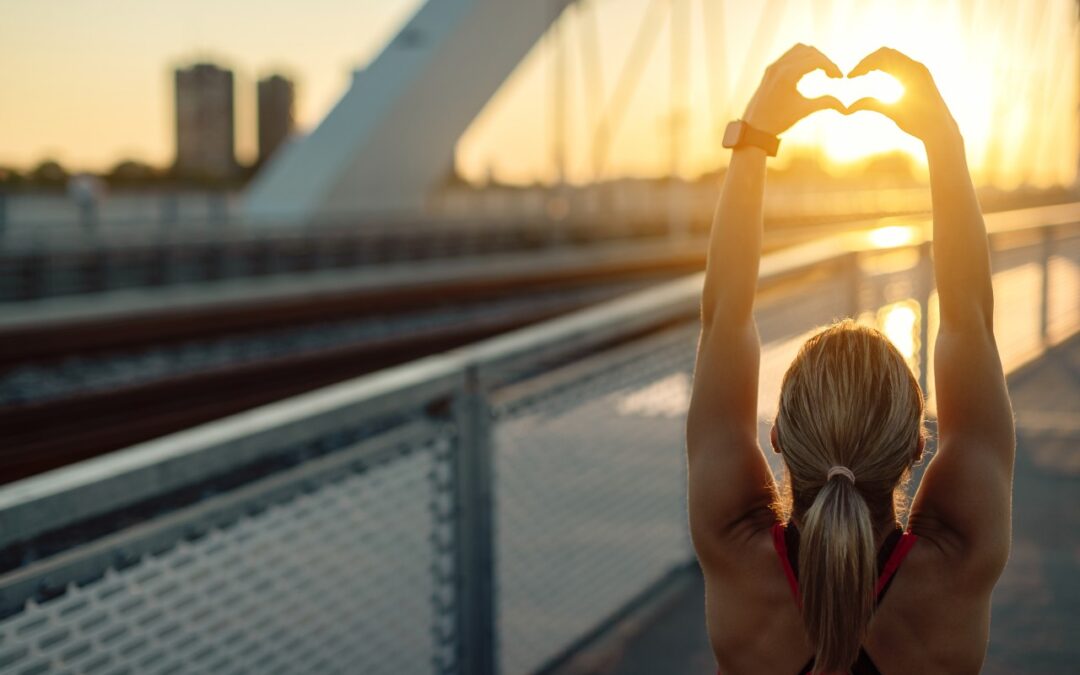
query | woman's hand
[777, 104]
[921, 111]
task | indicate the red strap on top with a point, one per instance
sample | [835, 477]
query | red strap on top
[907, 540]
[781, 548]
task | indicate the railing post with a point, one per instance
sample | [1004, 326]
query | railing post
[853, 277]
[924, 286]
[169, 210]
[474, 532]
[1044, 289]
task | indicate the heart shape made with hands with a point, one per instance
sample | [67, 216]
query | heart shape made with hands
[876, 84]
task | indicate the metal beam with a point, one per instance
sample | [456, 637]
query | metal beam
[388, 142]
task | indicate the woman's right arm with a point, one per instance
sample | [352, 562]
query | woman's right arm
[964, 502]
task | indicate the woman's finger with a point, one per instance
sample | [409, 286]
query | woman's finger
[808, 60]
[824, 62]
[872, 104]
[887, 60]
[812, 105]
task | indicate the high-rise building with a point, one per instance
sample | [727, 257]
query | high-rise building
[276, 98]
[205, 129]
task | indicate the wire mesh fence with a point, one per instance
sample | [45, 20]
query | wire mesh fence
[337, 574]
[589, 494]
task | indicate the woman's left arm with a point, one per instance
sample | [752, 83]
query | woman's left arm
[730, 485]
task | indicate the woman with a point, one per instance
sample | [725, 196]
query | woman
[810, 595]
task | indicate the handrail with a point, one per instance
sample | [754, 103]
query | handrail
[79, 491]
[228, 294]
[93, 487]
[222, 508]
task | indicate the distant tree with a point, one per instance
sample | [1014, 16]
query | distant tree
[49, 174]
[240, 175]
[806, 165]
[10, 177]
[892, 167]
[132, 173]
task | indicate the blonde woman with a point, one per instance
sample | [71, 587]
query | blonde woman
[839, 586]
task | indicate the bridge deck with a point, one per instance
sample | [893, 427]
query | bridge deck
[1036, 606]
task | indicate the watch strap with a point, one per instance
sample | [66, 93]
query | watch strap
[739, 134]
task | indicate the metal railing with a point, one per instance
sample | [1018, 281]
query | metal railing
[485, 510]
[47, 261]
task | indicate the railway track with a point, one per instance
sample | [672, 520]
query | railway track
[42, 431]
[51, 433]
[475, 300]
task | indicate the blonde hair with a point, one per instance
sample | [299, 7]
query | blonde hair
[848, 399]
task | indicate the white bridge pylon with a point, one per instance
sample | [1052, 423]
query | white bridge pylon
[390, 140]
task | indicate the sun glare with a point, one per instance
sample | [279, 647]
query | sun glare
[876, 85]
[890, 236]
[898, 321]
[850, 139]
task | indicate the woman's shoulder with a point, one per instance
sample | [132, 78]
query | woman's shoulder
[751, 610]
[928, 622]
[747, 572]
[946, 556]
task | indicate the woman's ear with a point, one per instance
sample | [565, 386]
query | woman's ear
[774, 439]
[919, 447]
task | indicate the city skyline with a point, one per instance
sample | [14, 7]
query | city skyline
[119, 76]
[1008, 71]
[205, 122]
[276, 97]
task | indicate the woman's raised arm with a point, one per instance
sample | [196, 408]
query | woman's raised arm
[729, 477]
[964, 501]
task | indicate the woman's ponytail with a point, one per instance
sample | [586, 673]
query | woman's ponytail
[848, 426]
[837, 573]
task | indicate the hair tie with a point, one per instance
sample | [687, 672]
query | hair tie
[840, 471]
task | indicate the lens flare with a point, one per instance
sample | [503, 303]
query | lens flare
[877, 85]
[899, 322]
[890, 236]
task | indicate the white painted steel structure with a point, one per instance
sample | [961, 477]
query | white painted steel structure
[391, 137]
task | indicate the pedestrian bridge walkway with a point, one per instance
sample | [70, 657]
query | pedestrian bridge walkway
[505, 507]
[1036, 605]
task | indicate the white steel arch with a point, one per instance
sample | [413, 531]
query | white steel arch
[390, 140]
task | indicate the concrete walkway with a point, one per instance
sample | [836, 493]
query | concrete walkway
[1036, 605]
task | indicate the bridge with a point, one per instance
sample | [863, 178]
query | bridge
[515, 505]
[358, 420]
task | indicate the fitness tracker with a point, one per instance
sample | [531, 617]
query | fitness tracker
[740, 134]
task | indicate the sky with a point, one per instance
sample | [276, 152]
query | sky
[89, 82]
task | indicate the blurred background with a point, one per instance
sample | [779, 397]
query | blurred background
[169, 112]
[393, 303]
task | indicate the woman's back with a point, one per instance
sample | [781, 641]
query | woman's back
[849, 428]
[927, 621]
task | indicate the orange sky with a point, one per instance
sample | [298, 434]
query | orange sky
[89, 81]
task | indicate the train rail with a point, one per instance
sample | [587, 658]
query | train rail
[279, 340]
[53, 432]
